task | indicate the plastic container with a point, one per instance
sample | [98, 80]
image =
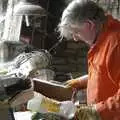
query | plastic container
[43, 104]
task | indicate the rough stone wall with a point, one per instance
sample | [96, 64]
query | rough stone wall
[70, 61]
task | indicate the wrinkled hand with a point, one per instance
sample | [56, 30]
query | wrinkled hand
[85, 112]
[72, 84]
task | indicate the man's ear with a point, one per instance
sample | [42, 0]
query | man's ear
[90, 24]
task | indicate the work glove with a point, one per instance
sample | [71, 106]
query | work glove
[86, 112]
[73, 83]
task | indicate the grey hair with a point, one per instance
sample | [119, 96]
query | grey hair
[78, 11]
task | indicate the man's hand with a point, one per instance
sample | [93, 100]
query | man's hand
[78, 83]
[86, 112]
[74, 83]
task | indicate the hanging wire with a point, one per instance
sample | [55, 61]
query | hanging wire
[56, 44]
[45, 28]
[60, 40]
[33, 29]
[118, 7]
[46, 22]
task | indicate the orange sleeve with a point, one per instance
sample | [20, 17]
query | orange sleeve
[110, 108]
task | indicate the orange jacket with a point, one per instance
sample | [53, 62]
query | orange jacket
[104, 71]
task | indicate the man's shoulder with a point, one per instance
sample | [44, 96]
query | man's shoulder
[112, 38]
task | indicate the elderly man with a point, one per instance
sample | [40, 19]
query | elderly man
[84, 20]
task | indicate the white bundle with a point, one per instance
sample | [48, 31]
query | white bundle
[28, 62]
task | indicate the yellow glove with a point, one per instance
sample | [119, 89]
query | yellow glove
[74, 83]
[85, 112]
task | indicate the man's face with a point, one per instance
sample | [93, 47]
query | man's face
[86, 32]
